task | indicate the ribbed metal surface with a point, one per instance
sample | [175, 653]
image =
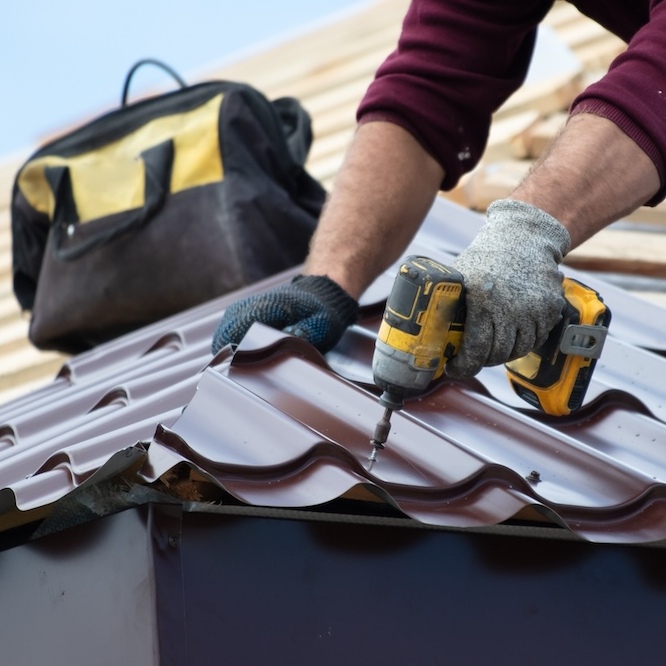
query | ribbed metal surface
[279, 425]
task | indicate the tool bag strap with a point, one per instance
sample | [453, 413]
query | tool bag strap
[70, 240]
[141, 63]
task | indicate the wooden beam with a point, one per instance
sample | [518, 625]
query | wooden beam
[619, 251]
[534, 140]
[478, 189]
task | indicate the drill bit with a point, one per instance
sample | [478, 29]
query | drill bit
[380, 435]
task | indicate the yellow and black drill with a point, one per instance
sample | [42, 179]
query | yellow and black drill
[423, 326]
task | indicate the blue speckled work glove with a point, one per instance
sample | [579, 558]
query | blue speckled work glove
[313, 307]
[513, 286]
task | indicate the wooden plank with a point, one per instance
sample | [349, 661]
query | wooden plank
[332, 145]
[655, 215]
[533, 142]
[315, 75]
[347, 95]
[13, 334]
[28, 365]
[33, 375]
[600, 54]
[502, 139]
[488, 182]
[620, 251]
[5, 229]
[325, 170]
[375, 27]
[9, 167]
[546, 96]
[594, 46]
[334, 119]
[581, 33]
[9, 309]
[562, 15]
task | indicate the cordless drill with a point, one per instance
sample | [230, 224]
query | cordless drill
[423, 326]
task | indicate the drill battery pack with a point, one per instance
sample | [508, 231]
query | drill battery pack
[555, 377]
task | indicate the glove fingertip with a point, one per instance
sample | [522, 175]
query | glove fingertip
[220, 339]
[229, 331]
[217, 343]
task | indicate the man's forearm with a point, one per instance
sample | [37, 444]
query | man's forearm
[593, 175]
[382, 193]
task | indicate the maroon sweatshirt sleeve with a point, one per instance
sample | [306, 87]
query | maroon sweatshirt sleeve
[456, 62]
[633, 92]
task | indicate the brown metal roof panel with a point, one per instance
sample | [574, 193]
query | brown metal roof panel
[82, 419]
[639, 374]
[461, 455]
[300, 467]
[81, 441]
[131, 357]
[84, 448]
[73, 405]
[113, 425]
[293, 434]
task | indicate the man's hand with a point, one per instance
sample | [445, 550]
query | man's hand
[513, 286]
[312, 307]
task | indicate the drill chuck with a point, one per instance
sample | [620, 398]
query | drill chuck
[396, 374]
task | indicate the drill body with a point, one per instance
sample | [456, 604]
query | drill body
[423, 326]
[421, 329]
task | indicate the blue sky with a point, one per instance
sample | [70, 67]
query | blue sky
[65, 60]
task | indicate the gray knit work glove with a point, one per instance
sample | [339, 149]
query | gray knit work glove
[312, 307]
[512, 284]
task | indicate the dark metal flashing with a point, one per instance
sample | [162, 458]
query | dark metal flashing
[206, 585]
[371, 594]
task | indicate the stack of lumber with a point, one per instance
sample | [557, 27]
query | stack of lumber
[328, 68]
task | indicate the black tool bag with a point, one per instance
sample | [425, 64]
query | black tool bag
[159, 206]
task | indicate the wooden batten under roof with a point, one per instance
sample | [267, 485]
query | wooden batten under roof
[328, 69]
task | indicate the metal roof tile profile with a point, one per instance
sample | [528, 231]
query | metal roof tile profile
[276, 424]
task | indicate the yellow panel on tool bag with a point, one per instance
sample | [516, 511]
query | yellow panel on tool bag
[111, 179]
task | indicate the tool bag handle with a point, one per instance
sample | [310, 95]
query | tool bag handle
[148, 61]
[72, 240]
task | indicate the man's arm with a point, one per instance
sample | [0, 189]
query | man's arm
[388, 181]
[423, 122]
[383, 191]
[439, 89]
[593, 175]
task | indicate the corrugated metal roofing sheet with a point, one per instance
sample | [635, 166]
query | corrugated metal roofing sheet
[276, 424]
[279, 425]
